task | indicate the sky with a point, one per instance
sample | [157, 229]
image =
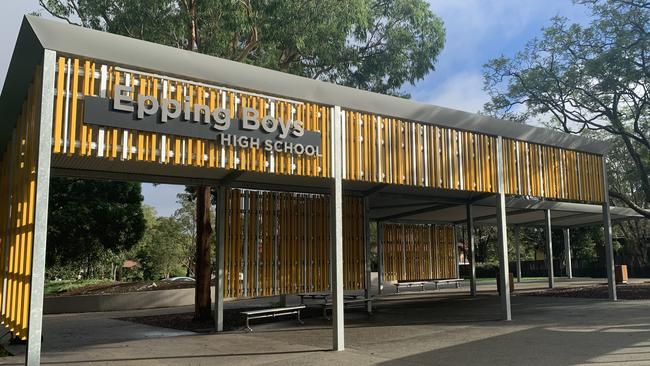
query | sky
[476, 31]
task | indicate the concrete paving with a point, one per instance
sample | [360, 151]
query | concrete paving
[445, 327]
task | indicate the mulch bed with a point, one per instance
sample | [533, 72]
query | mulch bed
[637, 291]
[232, 320]
[125, 287]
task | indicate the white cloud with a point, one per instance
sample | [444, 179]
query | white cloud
[462, 91]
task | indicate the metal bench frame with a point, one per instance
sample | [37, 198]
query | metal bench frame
[436, 283]
[272, 313]
[409, 285]
[328, 305]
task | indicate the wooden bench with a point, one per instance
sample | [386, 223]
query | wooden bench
[410, 284]
[272, 313]
[455, 281]
[327, 305]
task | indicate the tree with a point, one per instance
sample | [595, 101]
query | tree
[376, 45]
[88, 218]
[592, 77]
[161, 247]
[186, 218]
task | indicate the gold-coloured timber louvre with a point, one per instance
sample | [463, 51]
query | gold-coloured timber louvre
[376, 148]
[418, 252]
[82, 78]
[279, 243]
[388, 150]
[17, 204]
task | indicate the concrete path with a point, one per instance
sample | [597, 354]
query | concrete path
[434, 328]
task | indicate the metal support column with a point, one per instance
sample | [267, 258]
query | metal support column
[35, 331]
[470, 243]
[607, 231]
[257, 244]
[366, 251]
[403, 253]
[245, 243]
[380, 257]
[456, 251]
[502, 235]
[549, 248]
[518, 250]
[219, 286]
[336, 235]
[567, 253]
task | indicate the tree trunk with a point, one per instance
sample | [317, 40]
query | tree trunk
[202, 301]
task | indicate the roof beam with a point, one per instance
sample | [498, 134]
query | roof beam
[413, 212]
[492, 216]
[375, 189]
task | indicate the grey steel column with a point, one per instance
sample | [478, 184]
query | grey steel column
[380, 257]
[607, 227]
[403, 253]
[219, 285]
[518, 250]
[35, 331]
[275, 279]
[567, 252]
[502, 235]
[549, 248]
[245, 243]
[456, 251]
[336, 236]
[304, 246]
[257, 244]
[470, 243]
[366, 250]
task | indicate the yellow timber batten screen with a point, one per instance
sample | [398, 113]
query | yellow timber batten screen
[80, 78]
[388, 150]
[279, 243]
[418, 252]
[17, 192]
[376, 149]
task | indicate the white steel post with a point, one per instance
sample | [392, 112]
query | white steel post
[35, 331]
[380, 257]
[549, 248]
[336, 235]
[502, 235]
[607, 227]
[219, 287]
[456, 252]
[366, 250]
[472, 256]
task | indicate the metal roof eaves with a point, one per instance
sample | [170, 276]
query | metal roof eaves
[158, 58]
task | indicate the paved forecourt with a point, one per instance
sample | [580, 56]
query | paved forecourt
[443, 327]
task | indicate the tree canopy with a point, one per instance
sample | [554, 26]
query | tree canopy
[588, 79]
[375, 45]
[88, 218]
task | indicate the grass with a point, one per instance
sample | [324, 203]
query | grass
[56, 287]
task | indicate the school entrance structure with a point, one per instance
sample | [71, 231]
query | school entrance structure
[300, 167]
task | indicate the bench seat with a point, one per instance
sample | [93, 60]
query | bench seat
[272, 313]
[327, 305]
[421, 283]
